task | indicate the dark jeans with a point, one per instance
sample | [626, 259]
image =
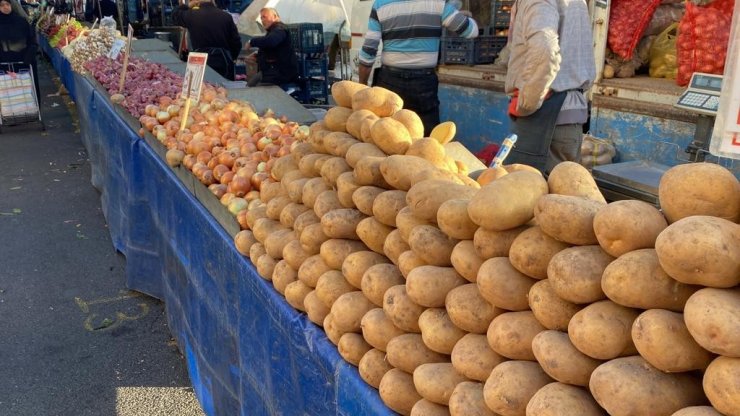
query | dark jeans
[417, 88]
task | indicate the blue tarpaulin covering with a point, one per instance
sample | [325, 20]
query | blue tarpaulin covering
[248, 352]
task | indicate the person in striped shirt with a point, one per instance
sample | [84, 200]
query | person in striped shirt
[410, 32]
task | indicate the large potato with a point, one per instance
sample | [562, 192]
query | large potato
[701, 250]
[602, 330]
[408, 351]
[381, 101]
[325, 202]
[636, 280]
[312, 189]
[511, 333]
[367, 172]
[699, 189]
[408, 261]
[489, 243]
[373, 233]
[467, 400]
[355, 265]
[429, 285]
[436, 381]
[342, 223]
[561, 360]
[550, 310]
[627, 225]
[401, 310]
[511, 385]
[507, 202]
[438, 331]
[721, 385]
[629, 386]
[556, 399]
[373, 366]
[575, 273]
[311, 269]
[335, 118]
[398, 170]
[391, 136]
[567, 218]
[503, 285]
[406, 221]
[348, 311]
[432, 245]
[697, 411]
[466, 261]
[352, 347]
[398, 392]
[532, 250]
[713, 319]
[334, 251]
[360, 150]
[453, 219]
[354, 123]
[377, 279]
[394, 246]
[364, 197]
[468, 310]
[571, 178]
[315, 308]
[282, 276]
[343, 91]
[425, 197]
[330, 286]
[474, 358]
[378, 329]
[662, 339]
[387, 205]
[346, 187]
[426, 408]
[412, 121]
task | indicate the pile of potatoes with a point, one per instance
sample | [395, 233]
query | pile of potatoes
[524, 296]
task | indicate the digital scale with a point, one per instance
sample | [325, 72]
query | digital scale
[702, 94]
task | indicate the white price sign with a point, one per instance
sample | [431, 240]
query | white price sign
[193, 81]
[726, 135]
[115, 49]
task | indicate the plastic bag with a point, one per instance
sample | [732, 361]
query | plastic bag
[663, 59]
[627, 22]
[596, 151]
[108, 23]
[703, 36]
[664, 16]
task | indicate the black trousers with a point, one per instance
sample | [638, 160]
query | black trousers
[417, 88]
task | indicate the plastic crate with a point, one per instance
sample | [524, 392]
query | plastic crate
[481, 50]
[314, 91]
[501, 13]
[307, 38]
[313, 67]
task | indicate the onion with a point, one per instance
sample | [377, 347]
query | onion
[219, 170]
[257, 179]
[239, 186]
[174, 157]
[204, 156]
[227, 177]
[188, 161]
[237, 204]
[251, 196]
[226, 198]
[241, 218]
[163, 117]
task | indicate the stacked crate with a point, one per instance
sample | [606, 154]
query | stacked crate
[481, 50]
[501, 17]
[308, 43]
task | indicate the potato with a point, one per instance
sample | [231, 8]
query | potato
[366, 127]
[436, 381]
[295, 293]
[721, 387]
[507, 202]
[294, 191]
[510, 335]
[300, 150]
[425, 197]
[352, 348]
[364, 198]
[406, 221]
[281, 166]
[282, 276]
[346, 187]
[255, 214]
[312, 237]
[636, 280]
[291, 212]
[264, 227]
[312, 189]
[713, 319]
[270, 190]
[468, 310]
[398, 392]
[378, 329]
[335, 251]
[428, 285]
[355, 265]
[437, 330]
[628, 225]
[332, 168]
[315, 308]
[426, 408]
[257, 250]
[562, 399]
[342, 223]
[699, 189]
[331, 332]
[354, 122]
[489, 244]
[387, 205]
[373, 233]
[662, 339]
[697, 411]
[391, 136]
[512, 384]
[398, 170]
[343, 91]
[432, 245]
[571, 178]
[504, 286]
[465, 260]
[394, 246]
[360, 150]
[532, 250]
[602, 330]
[701, 250]
[575, 273]
[276, 242]
[551, 311]
[401, 310]
[631, 386]
[325, 202]
[473, 357]
[373, 366]
[265, 266]
[294, 254]
[311, 269]
[561, 360]
[434, 172]
[566, 218]
[379, 278]
[367, 172]
[276, 205]
[381, 101]
[307, 165]
[467, 400]
[330, 286]
[428, 149]
[243, 241]
[407, 352]
[338, 143]
[454, 221]
[349, 309]
[411, 121]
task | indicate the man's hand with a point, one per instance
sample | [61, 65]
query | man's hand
[364, 73]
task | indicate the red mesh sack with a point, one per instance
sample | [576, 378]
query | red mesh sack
[627, 22]
[703, 35]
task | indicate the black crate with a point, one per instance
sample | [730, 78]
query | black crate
[307, 38]
[481, 50]
[501, 13]
[313, 67]
[313, 91]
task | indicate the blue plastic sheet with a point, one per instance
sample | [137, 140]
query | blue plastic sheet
[248, 351]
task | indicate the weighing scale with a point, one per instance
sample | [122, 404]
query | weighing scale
[640, 179]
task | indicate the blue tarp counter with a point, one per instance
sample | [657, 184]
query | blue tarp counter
[248, 352]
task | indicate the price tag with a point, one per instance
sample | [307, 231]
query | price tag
[193, 80]
[115, 49]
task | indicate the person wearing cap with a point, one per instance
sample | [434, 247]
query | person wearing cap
[212, 31]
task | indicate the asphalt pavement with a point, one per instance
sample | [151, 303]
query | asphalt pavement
[73, 340]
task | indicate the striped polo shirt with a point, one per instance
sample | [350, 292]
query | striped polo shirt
[410, 32]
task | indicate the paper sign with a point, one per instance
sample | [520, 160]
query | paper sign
[115, 49]
[193, 80]
[726, 135]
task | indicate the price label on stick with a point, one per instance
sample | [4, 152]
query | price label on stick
[125, 59]
[115, 49]
[192, 82]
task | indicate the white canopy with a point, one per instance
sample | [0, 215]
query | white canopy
[330, 13]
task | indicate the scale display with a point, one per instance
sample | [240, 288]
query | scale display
[702, 95]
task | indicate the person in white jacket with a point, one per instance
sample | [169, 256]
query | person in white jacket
[550, 66]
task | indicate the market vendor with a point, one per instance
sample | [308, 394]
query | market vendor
[550, 66]
[17, 39]
[276, 59]
[212, 31]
